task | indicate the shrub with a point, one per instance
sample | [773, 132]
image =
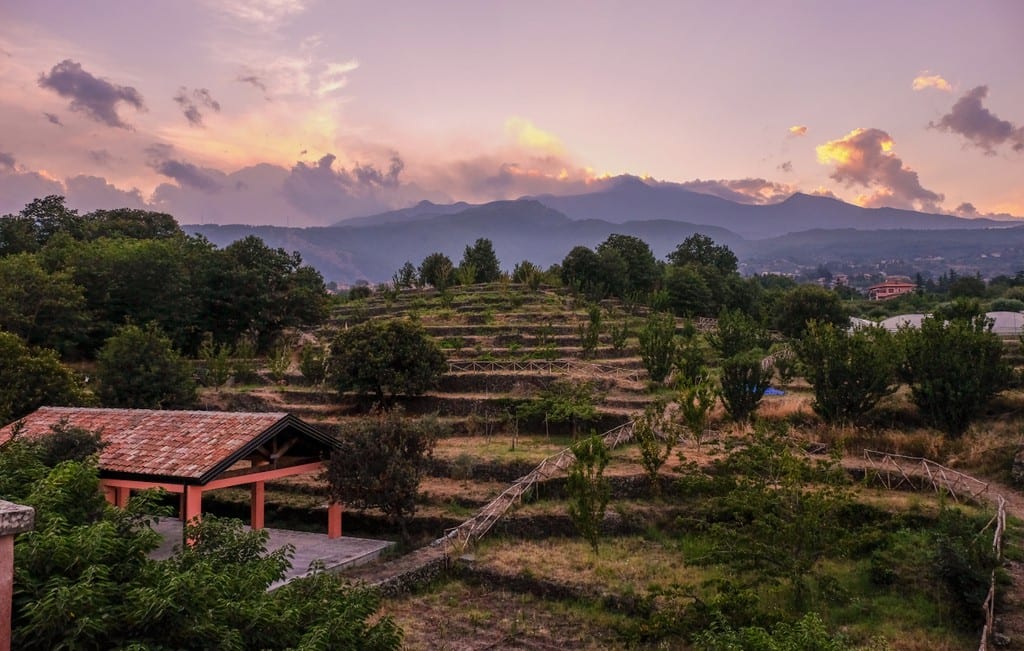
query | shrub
[658, 345]
[743, 383]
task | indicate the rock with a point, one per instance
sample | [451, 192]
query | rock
[1000, 640]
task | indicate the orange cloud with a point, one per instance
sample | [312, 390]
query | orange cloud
[527, 134]
[925, 80]
[798, 130]
[864, 157]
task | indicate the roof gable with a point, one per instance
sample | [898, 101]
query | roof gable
[188, 446]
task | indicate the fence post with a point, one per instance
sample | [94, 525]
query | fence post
[14, 519]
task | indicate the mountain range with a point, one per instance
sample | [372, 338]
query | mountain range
[802, 230]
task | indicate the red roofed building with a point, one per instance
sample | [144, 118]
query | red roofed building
[190, 452]
[891, 288]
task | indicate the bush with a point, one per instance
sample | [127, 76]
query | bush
[953, 368]
[139, 369]
[658, 345]
[743, 383]
[850, 371]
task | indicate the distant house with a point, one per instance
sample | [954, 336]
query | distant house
[891, 288]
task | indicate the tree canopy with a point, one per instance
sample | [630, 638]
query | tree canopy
[386, 359]
[139, 369]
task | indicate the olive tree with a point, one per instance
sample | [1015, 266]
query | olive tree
[386, 359]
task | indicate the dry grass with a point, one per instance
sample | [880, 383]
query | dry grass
[624, 565]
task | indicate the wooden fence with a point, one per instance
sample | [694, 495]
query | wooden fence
[557, 366]
[896, 471]
[459, 538]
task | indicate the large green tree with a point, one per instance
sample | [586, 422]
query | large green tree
[140, 369]
[482, 259]
[380, 463]
[386, 359]
[954, 369]
[46, 309]
[436, 270]
[641, 269]
[805, 303]
[850, 371]
[32, 377]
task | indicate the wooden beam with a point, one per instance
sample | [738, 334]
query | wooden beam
[264, 475]
[255, 470]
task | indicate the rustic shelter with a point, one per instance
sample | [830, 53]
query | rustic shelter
[191, 452]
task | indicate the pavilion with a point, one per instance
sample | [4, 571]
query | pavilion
[191, 452]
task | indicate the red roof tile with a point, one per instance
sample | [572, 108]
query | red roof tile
[178, 444]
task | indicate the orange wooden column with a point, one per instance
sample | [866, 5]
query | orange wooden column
[121, 496]
[256, 504]
[193, 503]
[334, 520]
[14, 519]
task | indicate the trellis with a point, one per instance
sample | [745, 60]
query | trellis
[897, 471]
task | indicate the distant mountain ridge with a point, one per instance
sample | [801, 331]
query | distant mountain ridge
[803, 229]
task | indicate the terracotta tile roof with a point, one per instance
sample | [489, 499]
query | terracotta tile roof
[172, 444]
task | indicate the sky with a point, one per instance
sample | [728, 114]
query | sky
[305, 112]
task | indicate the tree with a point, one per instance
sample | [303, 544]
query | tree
[743, 383]
[590, 332]
[701, 250]
[131, 223]
[31, 378]
[588, 489]
[953, 368]
[804, 303]
[642, 273]
[45, 309]
[385, 358]
[695, 401]
[483, 260]
[581, 271]
[380, 463]
[850, 371]
[688, 291]
[139, 369]
[656, 436]
[658, 345]
[405, 277]
[527, 273]
[436, 270]
[737, 333]
[86, 581]
[564, 401]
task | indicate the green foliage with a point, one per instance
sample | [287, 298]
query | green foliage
[405, 277]
[243, 362]
[806, 634]
[742, 384]
[216, 362]
[380, 463]
[785, 512]
[953, 368]
[67, 443]
[279, 360]
[687, 291]
[85, 579]
[641, 273]
[590, 332]
[32, 377]
[699, 249]
[805, 303]
[139, 369]
[529, 274]
[588, 489]
[619, 333]
[43, 308]
[692, 354]
[437, 271]
[564, 401]
[313, 363]
[656, 437]
[850, 371]
[385, 358]
[581, 271]
[658, 346]
[737, 333]
[359, 292]
[482, 260]
[695, 401]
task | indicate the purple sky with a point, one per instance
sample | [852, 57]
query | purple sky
[304, 112]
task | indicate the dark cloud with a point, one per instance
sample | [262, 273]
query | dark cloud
[186, 174]
[101, 157]
[53, 118]
[92, 193]
[19, 188]
[97, 98]
[254, 81]
[192, 102]
[979, 125]
[6, 161]
[787, 166]
[864, 157]
[750, 191]
[321, 191]
[966, 209]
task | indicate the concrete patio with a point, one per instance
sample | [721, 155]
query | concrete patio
[336, 553]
